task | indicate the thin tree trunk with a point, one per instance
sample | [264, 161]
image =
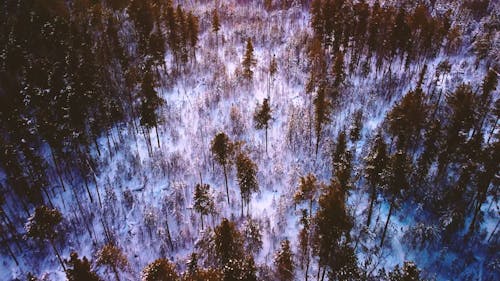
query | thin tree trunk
[116, 273]
[492, 131]
[387, 223]
[307, 269]
[169, 237]
[157, 136]
[11, 253]
[97, 147]
[57, 168]
[476, 212]
[227, 188]
[266, 139]
[87, 188]
[493, 232]
[323, 275]
[57, 254]
[370, 211]
[97, 190]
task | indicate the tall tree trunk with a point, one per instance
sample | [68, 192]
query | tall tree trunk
[87, 188]
[115, 272]
[227, 188]
[97, 189]
[266, 139]
[323, 274]
[57, 254]
[370, 211]
[157, 136]
[11, 253]
[57, 168]
[387, 222]
[97, 147]
[307, 269]
[169, 237]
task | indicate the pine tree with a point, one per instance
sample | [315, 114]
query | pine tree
[150, 102]
[79, 269]
[357, 126]
[43, 225]
[203, 201]
[375, 164]
[409, 272]
[193, 30]
[407, 118]
[342, 166]
[246, 173]
[252, 236]
[461, 106]
[203, 274]
[304, 251]
[283, 261]
[216, 26]
[338, 71]
[262, 116]
[113, 257]
[273, 69]
[396, 183]
[307, 190]
[248, 61]
[228, 243]
[321, 113]
[160, 270]
[333, 225]
[222, 151]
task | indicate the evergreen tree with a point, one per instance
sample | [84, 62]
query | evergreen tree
[375, 164]
[203, 201]
[150, 102]
[461, 106]
[273, 69]
[342, 166]
[304, 252]
[246, 173]
[333, 224]
[222, 151]
[357, 126]
[283, 261]
[321, 113]
[252, 236]
[307, 190]
[409, 272]
[396, 183]
[43, 225]
[216, 26]
[202, 274]
[262, 116]
[160, 270]
[248, 61]
[228, 243]
[407, 118]
[193, 30]
[79, 269]
[338, 71]
[112, 256]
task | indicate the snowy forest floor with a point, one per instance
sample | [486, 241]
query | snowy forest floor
[211, 97]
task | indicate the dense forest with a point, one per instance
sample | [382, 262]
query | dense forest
[167, 140]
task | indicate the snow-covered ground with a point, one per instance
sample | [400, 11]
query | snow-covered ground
[197, 107]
